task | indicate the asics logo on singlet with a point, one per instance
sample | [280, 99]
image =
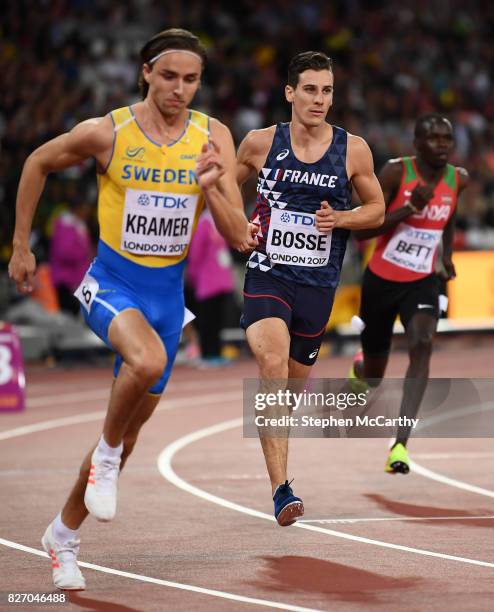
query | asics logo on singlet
[136, 153]
[162, 201]
[282, 154]
[313, 354]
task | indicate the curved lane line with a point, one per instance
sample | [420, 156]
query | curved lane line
[165, 467]
[422, 471]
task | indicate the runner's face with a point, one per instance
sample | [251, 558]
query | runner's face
[173, 81]
[435, 143]
[312, 97]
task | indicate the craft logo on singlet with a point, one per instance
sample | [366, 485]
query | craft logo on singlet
[135, 153]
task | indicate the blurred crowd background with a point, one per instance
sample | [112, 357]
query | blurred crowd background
[63, 61]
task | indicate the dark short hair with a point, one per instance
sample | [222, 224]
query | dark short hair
[308, 60]
[425, 122]
[174, 38]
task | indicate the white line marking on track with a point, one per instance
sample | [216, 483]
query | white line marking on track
[395, 518]
[175, 585]
[165, 467]
[77, 419]
[103, 393]
[456, 455]
[422, 471]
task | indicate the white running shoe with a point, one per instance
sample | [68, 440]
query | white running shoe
[66, 573]
[101, 490]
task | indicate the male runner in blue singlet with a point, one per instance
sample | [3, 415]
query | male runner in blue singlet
[306, 170]
[157, 162]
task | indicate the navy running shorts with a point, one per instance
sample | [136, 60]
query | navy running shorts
[304, 308]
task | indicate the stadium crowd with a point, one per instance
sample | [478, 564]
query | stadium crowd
[65, 60]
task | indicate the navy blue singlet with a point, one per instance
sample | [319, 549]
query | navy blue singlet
[288, 194]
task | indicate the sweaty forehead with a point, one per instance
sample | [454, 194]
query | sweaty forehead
[436, 126]
[180, 62]
[321, 78]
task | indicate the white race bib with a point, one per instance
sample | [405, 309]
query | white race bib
[293, 239]
[86, 291]
[413, 248]
[156, 223]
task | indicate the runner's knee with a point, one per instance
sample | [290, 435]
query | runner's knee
[272, 365]
[421, 344]
[148, 366]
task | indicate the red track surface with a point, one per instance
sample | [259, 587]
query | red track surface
[166, 533]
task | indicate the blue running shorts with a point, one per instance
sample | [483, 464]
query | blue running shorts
[104, 293]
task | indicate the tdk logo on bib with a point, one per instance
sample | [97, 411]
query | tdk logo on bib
[297, 218]
[282, 154]
[162, 201]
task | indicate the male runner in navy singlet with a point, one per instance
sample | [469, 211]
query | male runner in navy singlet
[306, 170]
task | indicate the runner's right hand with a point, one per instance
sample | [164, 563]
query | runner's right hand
[326, 218]
[251, 240]
[22, 267]
[421, 196]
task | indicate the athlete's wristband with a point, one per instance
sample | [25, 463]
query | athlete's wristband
[409, 205]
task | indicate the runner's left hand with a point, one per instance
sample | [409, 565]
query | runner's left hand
[326, 218]
[209, 167]
[449, 269]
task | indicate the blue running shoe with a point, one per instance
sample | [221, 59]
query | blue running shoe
[287, 507]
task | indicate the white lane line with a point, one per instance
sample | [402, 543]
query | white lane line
[395, 518]
[175, 383]
[104, 392]
[422, 471]
[167, 583]
[165, 467]
[77, 419]
[458, 455]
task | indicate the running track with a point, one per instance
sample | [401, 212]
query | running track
[194, 530]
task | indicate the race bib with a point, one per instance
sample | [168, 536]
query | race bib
[156, 223]
[413, 248]
[293, 239]
[86, 291]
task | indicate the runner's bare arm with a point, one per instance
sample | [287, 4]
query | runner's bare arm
[360, 171]
[217, 178]
[252, 152]
[91, 138]
[449, 230]
[389, 179]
